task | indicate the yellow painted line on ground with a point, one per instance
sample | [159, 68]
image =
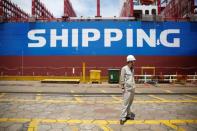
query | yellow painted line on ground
[190, 96]
[168, 91]
[114, 97]
[97, 122]
[173, 126]
[77, 98]
[182, 121]
[22, 120]
[33, 125]
[87, 121]
[156, 97]
[100, 122]
[152, 122]
[103, 124]
[135, 122]
[2, 95]
[61, 121]
[75, 129]
[49, 121]
[3, 119]
[96, 102]
[74, 121]
[105, 128]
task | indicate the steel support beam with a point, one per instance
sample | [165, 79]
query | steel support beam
[159, 6]
[98, 8]
[131, 8]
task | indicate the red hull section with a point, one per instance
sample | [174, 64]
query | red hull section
[63, 65]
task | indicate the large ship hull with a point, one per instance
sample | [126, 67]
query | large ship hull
[64, 65]
[34, 49]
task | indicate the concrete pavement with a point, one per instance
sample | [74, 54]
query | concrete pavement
[37, 86]
[33, 106]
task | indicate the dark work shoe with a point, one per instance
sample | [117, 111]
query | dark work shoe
[122, 122]
[131, 116]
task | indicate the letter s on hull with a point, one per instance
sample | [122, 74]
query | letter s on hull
[41, 40]
[164, 35]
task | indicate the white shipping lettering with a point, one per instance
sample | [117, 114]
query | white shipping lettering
[75, 37]
[150, 40]
[32, 36]
[129, 38]
[86, 38]
[164, 35]
[55, 37]
[109, 37]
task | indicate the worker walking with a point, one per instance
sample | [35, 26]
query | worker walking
[127, 84]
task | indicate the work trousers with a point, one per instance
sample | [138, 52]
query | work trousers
[128, 96]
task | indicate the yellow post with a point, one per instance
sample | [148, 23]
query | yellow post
[84, 71]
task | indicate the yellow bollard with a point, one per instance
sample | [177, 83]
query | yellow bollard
[84, 71]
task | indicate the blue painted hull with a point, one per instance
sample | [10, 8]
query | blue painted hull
[171, 47]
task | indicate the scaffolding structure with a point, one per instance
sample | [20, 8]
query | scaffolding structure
[68, 9]
[127, 9]
[98, 9]
[11, 12]
[39, 11]
[177, 9]
[174, 9]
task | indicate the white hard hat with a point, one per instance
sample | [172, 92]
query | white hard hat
[130, 58]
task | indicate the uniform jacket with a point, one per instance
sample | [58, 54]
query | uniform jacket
[127, 78]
